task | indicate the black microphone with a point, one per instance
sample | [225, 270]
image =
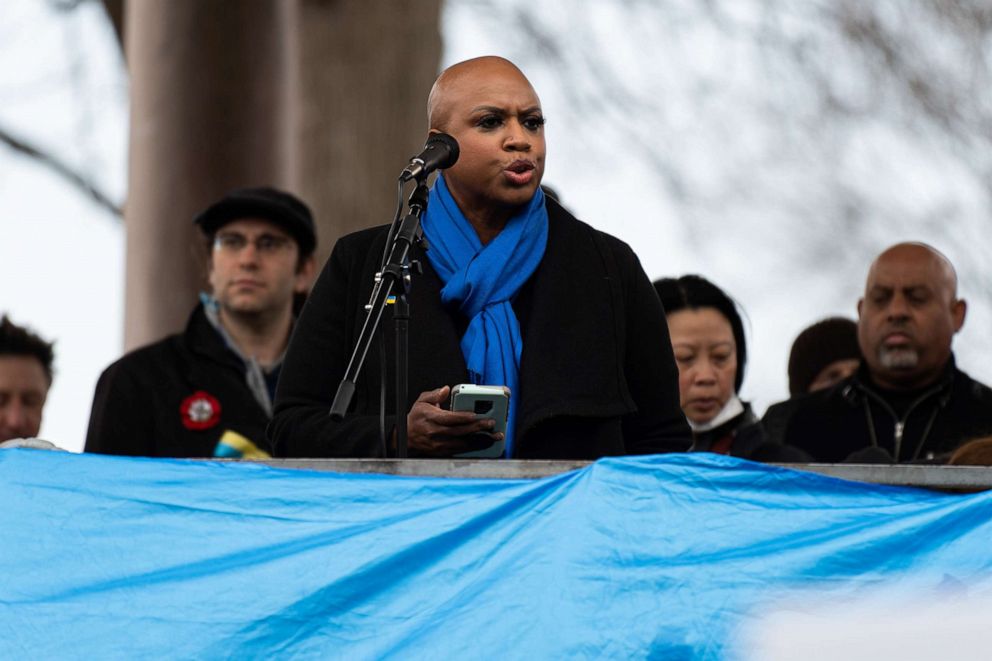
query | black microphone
[440, 151]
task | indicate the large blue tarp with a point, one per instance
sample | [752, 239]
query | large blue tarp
[653, 557]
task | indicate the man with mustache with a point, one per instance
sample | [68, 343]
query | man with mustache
[515, 292]
[908, 401]
[208, 391]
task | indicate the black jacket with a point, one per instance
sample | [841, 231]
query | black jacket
[597, 375]
[149, 403]
[855, 415]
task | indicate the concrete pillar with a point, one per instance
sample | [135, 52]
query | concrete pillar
[359, 105]
[208, 99]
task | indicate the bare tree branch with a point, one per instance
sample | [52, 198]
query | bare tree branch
[115, 12]
[69, 174]
[114, 9]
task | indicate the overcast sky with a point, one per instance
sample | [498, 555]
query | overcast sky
[61, 256]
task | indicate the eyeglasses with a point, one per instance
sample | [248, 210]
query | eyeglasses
[267, 244]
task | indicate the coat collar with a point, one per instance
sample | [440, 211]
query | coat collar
[862, 381]
[203, 340]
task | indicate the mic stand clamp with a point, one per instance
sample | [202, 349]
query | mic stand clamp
[401, 320]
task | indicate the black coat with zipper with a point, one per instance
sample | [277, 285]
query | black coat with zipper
[856, 414]
[597, 375]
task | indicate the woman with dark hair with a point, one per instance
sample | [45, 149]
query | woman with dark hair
[708, 340]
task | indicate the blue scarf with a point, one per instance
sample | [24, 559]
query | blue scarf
[481, 281]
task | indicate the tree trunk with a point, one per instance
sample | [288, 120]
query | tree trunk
[206, 110]
[360, 106]
[325, 98]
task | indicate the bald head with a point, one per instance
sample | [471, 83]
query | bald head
[490, 108]
[909, 315]
[933, 265]
[465, 77]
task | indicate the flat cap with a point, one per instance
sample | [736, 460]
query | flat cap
[276, 206]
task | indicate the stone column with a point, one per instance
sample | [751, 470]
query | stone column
[207, 115]
[359, 107]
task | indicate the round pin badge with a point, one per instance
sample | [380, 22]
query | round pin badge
[201, 410]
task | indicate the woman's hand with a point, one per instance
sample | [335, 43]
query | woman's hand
[437, 432]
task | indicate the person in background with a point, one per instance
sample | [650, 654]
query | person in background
[823, 354]
[908, 400]
[25, 377]
[707, 337]
[208, 391]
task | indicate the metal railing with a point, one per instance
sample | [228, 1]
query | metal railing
[946, 478]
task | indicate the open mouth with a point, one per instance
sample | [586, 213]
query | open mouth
[519, 172]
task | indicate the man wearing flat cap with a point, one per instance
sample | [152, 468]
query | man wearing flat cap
[208, 391]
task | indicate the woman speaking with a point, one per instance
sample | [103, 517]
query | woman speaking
[515, 292]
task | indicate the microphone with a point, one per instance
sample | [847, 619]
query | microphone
[440, 151]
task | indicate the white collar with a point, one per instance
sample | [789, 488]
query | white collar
[730, 410]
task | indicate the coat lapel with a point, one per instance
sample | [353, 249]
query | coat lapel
[573, 330]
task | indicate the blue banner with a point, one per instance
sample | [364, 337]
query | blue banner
[670, 557]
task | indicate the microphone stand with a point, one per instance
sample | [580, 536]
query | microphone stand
[396, 274]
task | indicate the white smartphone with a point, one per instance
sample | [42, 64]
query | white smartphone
[486, 402]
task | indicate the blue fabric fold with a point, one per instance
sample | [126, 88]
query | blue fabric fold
[481, 281]
[665, 557]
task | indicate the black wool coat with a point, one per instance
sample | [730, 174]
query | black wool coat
[175, 398]
[857, 421]
[597, 375]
